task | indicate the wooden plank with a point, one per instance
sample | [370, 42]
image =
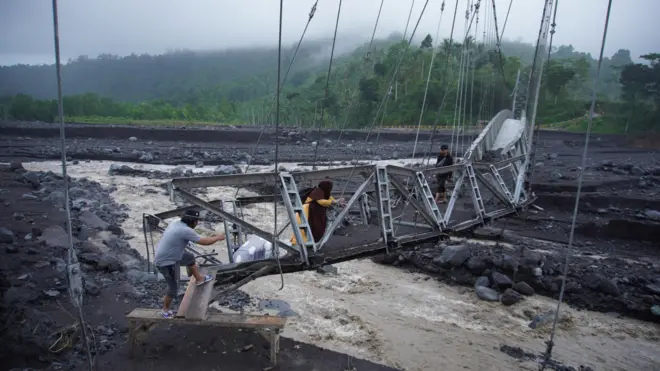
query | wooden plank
[230, 320]
[187, 297]
[199, 298]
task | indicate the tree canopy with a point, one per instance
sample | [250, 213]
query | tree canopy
[236, 86]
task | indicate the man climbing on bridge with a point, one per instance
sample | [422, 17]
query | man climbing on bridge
[444, 159]
[171, 250]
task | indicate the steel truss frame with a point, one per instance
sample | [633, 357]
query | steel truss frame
[481, 177]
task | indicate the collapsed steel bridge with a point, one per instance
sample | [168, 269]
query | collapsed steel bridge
[395, 205]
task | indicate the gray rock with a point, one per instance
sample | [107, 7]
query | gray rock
[510, 297]
[476, 265]
[501, 281]
[523, 288]
[637, 171]
[109, 263]
[6, 236]
[11, 249]
[92, 247]
[55, 236]
[482, 281]
[178, 172]
[92, 220]
[51, 293]
[132, 139]
[18, 216]
[33, 179]
[226, 170]
[56, 198]
[146, 157]
[199, 164]
[485, 293]
[29, 196]
[652, 214]
[327, 269]
[15, 165]
[92, 288]
[654, 289]
[453, 256]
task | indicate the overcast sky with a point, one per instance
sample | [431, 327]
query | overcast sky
[91, 27]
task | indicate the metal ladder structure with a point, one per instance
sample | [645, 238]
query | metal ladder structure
[294, 207]
[233, 234]
[476, 193]
[384, 204]
[365, 209]
[501, 183]
[424, 190]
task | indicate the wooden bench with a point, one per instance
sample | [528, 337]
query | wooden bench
[142, 320]
[193, 311]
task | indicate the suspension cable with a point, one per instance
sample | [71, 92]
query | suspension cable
[327, 83]
[405, 32]
[275, 247]
[386, 96]
[498, 50]
[366, 60]
[427, 155]
[585, 152]
[506, 19]
[552, 36]
[426, 90]
[75, 293]
[312, 12]
[428, 79]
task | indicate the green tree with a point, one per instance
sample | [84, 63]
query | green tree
[427, 43]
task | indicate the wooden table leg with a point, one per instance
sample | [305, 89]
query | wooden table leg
[132, 336]
[274, 339]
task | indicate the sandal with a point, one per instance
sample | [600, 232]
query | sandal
[167, 314]
[207, 278]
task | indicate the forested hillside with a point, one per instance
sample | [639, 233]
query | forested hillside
[237, 86]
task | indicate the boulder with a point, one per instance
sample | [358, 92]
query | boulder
[501, 281]
[477, 265]
[486, 293]
[510, 297]
[33, 179]
[453, 256]
[482, 281]
[55, 236]
[6, 236]
[226, 170]
[523, 288]
[92, 221]
[15, 165]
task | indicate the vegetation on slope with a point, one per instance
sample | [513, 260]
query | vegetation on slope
[237, 86]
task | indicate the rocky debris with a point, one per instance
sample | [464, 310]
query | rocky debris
[505, 274]
[522, 355]
[6, 236]
[35, 275]
[226, 170]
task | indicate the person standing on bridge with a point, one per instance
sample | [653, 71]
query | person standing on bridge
[444, 159]
[171, 250]
[315, 208]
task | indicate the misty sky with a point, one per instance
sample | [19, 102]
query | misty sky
[92, 27]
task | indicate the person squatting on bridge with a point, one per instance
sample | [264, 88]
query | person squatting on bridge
[315, 208]
[444, 159]
[171, 250]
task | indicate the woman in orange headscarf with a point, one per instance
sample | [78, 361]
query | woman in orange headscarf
[315, 208]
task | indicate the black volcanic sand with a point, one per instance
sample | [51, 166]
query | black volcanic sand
[615, 267]
[35, 308]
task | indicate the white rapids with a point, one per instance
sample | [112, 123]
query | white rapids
[398, 318]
